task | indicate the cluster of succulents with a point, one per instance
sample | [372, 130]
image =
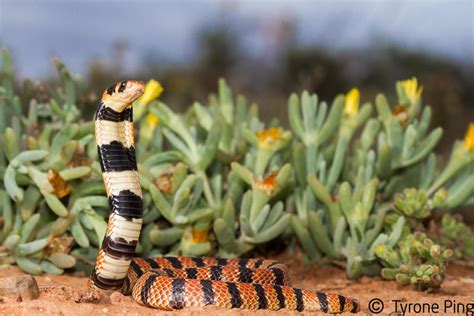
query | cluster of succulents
[456, 235]
[343, 181]
[416, 260]
[348, 190]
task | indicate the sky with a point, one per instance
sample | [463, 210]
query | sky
[77, 30]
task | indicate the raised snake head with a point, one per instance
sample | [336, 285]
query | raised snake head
[121, 95]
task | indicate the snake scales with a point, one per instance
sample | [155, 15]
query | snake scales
[176, 282]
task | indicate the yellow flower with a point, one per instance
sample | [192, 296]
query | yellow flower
[164, 182]
[59, 244]
[469, 138]
[152, 120]
[351, 102]
[58, 183]
[200, 236]
[267, 184]
[153, 90]
[412, 90]
[267, 137]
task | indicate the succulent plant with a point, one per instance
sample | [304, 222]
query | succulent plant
[456, 235]
[416, 260]
[414, 203]
[390, 165]
[37, 169]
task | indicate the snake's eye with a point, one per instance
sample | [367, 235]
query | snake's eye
[123, 85]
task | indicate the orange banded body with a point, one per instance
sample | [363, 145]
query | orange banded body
[231, 270]
[176, 282]
[169, 293]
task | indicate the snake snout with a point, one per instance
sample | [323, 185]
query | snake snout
[135, 88]
[139, 85]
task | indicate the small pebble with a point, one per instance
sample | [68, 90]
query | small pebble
[94, 297]
[24, 288]
[105, 310]
[116, 297]
[104, 298]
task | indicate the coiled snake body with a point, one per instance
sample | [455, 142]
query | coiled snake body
[176, 282]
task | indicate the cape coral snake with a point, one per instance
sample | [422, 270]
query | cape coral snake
[176, 282]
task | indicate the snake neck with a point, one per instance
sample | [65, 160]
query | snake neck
[115, 146]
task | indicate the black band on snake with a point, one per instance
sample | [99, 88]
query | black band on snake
[176, 282]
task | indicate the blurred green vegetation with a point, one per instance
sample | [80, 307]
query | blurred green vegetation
[270, 79]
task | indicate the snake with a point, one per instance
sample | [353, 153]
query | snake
[171, 283]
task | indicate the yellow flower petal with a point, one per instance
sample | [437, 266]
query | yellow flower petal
[469, 138]
[200, 236]
[153, 90]
[267, 184]
[152, 120]
[58, 183]
[351, 102]
[164, 182]
[412, 90]
[268, 136]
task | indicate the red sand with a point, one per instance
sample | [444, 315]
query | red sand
[58, 294]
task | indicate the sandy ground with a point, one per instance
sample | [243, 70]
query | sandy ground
[59, 293]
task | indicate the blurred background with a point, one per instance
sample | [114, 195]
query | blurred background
[265, 49]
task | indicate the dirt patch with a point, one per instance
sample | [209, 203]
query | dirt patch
[58, 294]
